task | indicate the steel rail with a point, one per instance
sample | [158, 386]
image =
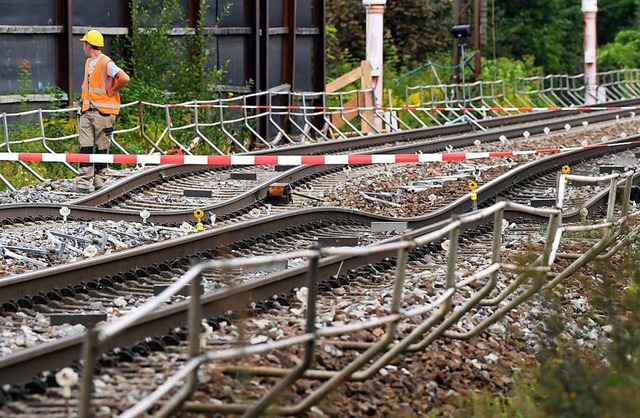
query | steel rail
[82, 208]
[14, 367]
[25, 363]
[21, 285]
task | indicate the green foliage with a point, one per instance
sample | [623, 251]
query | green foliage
[24, 81]
[168, 69]
[571, 379]
[159, 62]
[197, 77]
[153, 54]
[417, 29]
[615, 16]
[500, 406]
[548, 30]
[624, 52]
[339, 61]
[509, 69]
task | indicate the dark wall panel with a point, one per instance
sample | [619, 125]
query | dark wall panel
[38, 12]
[304, 14]
[275, 13]
[46, 52]
[98, 14]
[232, 50]
[183, 3]
[275, 61]
[230, 12]
[40, 53]
[304, 59]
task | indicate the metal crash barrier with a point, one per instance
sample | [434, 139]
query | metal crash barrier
[432, 320]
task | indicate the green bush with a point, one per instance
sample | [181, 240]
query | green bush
[575, 381]
[624, 52]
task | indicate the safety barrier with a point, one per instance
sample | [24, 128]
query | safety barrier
[565, 90]
[274, 118]
[444, 103]
[290, 160]
[472, 291]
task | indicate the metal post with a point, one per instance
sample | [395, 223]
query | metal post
[310, 328]
[452, 259]
[194, 319]
[463, 64]
[68, 22]
[477, 40]
[89, 356]
[626, 195]
[611, 205]
[590, 11]
[498, 218]
[456, 53]
[375, 49]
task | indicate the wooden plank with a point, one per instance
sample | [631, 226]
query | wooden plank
[367, 87]
[344, 80]
[337, 120]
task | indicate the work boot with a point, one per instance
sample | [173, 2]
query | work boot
[99, 170]
[99, 180]
[84, 179]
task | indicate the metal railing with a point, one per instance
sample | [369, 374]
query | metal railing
[565, 90]
[274, 118]
[432, 320]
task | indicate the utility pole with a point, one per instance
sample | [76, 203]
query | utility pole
[375, 49]
[470, 12]
[590, 11]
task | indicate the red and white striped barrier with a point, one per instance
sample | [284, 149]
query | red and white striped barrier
[284, 160]
[408, 108]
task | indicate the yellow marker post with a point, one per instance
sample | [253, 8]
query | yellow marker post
[566, 170]
[198, 214]
[473, 186]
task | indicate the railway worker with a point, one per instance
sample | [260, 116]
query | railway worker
[101, 84]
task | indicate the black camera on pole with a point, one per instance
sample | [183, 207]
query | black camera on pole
[461, 31]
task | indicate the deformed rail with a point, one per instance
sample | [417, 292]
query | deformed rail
[442, 314]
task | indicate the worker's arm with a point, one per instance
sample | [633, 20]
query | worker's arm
[121, 79]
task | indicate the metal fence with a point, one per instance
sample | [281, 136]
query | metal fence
[441, 103]
[275, 118]
[434, 320]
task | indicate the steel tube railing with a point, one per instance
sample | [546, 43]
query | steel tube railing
[442, 314]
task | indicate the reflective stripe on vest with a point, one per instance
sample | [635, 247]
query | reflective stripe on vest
[94, 90]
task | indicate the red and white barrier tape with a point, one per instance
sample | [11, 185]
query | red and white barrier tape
[411, 108]
[283, 160]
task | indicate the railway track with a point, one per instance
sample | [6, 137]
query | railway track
[126, 372]
[20, 287]
[407, 191]
[149, 186]
[162, 255]
[152, 361]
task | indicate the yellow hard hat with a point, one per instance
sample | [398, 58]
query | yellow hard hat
[93, 37]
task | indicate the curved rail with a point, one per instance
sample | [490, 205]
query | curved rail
[82, 208]
[30, 361]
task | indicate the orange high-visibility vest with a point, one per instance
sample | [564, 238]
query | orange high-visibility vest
[95, 90]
